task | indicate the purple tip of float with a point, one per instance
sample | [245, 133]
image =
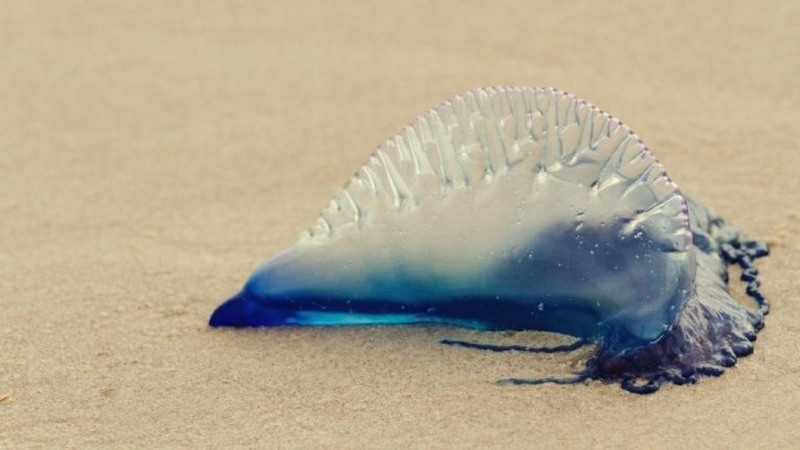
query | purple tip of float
[242, 311]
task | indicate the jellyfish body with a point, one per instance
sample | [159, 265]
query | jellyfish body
[519, 209]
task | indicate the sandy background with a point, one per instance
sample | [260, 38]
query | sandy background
[152, 155]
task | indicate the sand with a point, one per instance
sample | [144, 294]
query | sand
[152, 154]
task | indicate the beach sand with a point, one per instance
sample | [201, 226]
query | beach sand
[153, 154]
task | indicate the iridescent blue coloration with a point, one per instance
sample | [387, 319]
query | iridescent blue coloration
[521, 209]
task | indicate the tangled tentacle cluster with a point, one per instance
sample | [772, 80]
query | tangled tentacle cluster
[714, 329]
